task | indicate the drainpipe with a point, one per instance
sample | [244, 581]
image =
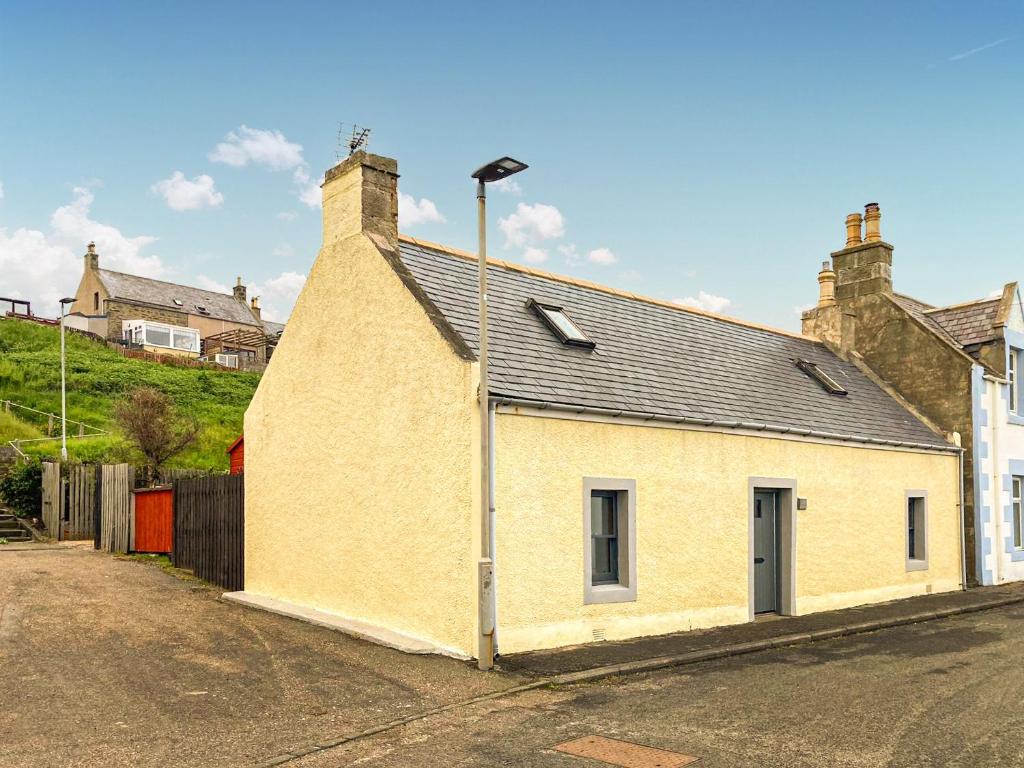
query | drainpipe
[491, 407]
[963, 522]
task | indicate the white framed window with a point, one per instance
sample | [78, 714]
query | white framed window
[916, 521]
[160, 335]
[186, 339]
[609, 540]
[1018, 511]
[1011, 377]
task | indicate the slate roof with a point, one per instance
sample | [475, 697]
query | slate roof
[654, 359]
[221, 306]
[920, 311]
[969, 324]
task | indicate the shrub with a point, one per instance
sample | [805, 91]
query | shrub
[22, 489]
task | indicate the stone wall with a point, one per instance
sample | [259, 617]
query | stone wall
[117, 311]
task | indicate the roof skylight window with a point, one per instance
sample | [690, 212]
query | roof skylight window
[179, 303]
[563, 326]
[827, 383]
[202, 310]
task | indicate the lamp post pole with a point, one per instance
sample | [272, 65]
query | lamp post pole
[63, 387]
[485, 657]
[499, 169]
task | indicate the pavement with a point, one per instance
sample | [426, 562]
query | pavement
[595, 660]
[108, 661]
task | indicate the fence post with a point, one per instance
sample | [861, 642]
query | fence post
[97, 508]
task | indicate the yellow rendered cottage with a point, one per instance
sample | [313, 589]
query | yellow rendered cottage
[656, 468]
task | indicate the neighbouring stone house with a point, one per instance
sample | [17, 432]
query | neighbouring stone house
[171, 319]
[959, 366]
[655, 468]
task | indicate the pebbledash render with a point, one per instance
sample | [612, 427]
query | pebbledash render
[656, 468]
[960, 366]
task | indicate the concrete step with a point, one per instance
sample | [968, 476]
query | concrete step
[12, 529]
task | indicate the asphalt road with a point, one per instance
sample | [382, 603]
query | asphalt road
[946, 693]
[107, 662]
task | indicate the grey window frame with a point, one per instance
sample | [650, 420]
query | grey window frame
[1017, 510]
[624, 590]
[542, 310]
[1013, 364]
[920, 530]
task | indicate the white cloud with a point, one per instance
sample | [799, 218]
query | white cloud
[801, 308]
[706, 301]
[184, 195]
[571, 254]
[309, 190]
[278, 294]
[535, 256]
[42, 267]
[271, 149]
[412, 212]
[260, 147]
[531, 224]
[508, 186]
[209, 284]
[602, 256]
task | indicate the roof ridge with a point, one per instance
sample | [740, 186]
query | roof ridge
[962, 304]
[167, 282]
[603, 288]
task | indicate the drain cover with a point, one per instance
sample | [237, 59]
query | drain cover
[624, 753]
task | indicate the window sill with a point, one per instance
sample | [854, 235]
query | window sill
[609, 593]
[917, 565]
[1014, 418]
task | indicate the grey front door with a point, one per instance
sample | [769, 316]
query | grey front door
[766, 571]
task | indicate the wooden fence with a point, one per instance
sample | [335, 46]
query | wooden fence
[209, 528]
[53, 499]
[116, 519]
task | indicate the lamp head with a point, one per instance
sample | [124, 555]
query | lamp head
[499, 169]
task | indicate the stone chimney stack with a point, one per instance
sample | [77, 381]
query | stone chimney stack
[863, 268]
[92, 259]
[360, 195]
[239, 290]
[255, 307]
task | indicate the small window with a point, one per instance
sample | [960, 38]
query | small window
[604, 533]
[917, 530]
[610, 540]
[564, 327]
[158, 336]
[202, 310]
[179, 303]
[827, 383]
[1011, 377]
[96, 302]
[186, 340]
[1018, 513]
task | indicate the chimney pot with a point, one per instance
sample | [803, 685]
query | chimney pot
[872, 222]
[853, 222]
[255, 306]
[239, 291]
[826, 285]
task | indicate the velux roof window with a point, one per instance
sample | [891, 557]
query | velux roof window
[827, 383]
[564, 327]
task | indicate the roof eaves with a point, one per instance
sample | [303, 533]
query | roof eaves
[939, 446]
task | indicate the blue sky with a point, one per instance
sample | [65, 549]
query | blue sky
[675, 148]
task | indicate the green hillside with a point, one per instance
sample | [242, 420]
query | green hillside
[97, 378]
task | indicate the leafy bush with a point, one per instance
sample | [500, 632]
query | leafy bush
[22, 489]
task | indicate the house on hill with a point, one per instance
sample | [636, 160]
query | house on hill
[171, 319]
[655, 468]
[959, 365]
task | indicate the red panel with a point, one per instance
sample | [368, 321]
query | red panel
[238, 458]
[154, 520]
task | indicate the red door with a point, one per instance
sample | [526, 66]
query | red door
[154, 520]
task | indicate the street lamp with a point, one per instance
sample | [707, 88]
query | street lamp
[63, 384]
[495, 171]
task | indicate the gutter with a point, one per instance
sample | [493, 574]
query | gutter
[752, 426]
